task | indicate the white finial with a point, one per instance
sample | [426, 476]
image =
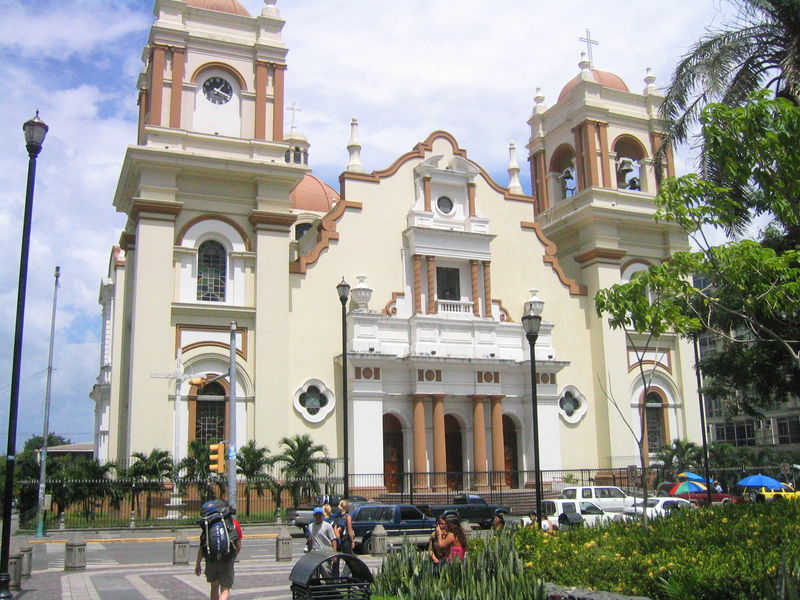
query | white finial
[539, 97]
[649, 80]
[270, 10]
[585, 66]
[514, 185]
[361, 294]
[354, 148]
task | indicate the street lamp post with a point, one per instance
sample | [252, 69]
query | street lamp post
[46, 420]
[532, 323]
[231, 449]
[35, 132]
[343, 290]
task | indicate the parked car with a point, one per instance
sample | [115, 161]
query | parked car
[657, 507]
[300, 517]
[470, 507]
[554, 509]
[763, 493]
[397, 520]
[607, 497]
[701, 497]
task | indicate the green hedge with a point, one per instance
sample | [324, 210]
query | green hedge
[721, 553]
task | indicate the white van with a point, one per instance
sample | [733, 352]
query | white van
[607, 497]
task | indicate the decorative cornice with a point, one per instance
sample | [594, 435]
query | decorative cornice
[550, 258]
[601, 255]
[151, 206]
[325, 233]
[214, 217]
[270, 220]
[391, 306]
[127, 241]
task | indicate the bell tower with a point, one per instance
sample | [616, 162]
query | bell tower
[591, 157]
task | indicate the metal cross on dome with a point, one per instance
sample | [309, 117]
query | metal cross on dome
[589, 43]
[295, 109]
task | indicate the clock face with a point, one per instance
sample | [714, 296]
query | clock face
[217, 90]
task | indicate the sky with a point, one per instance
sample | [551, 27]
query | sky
[404, 69]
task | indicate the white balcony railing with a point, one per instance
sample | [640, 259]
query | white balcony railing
[454, 306]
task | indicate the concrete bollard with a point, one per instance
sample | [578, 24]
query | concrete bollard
[469, 529]
[283, 545]
[15, 572]
[74, 555]
[132, 523]
[27, 560]
[62, 521]
[180, 551]
[379, 541]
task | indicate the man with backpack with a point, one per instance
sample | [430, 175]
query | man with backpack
[220, 542]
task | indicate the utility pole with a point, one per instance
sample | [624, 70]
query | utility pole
[46, 423]
[232, 420]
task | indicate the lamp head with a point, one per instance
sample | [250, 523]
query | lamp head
[344, 291]
[531, 324]
[534, 305]
[35, 131]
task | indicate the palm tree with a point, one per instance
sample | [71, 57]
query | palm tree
[301, 457]
[759, 49]
[90, 483]
[679, 456]
[152, 469]
[193, 469]
[251, 460]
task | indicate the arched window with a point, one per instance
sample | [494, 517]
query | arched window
[630, 158]
[212, 271]
[656, 422]
[209, 420]
[563, 174]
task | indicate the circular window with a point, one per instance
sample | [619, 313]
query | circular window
[314, 401]
[572, 405]
[445, 205]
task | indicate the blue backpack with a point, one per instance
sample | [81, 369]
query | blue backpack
[218, 533]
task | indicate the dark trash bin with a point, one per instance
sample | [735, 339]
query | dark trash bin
[316, 576]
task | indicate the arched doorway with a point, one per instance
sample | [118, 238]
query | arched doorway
[455, 456]
[656, 420]
[208, 421]
[392, 454]
[510, 452]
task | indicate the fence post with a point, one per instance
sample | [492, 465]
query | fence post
[180, 551]
[283, 545]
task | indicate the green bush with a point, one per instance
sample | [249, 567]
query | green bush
[721, 553]
[492, 570]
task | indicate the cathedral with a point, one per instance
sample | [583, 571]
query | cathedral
[226, 223]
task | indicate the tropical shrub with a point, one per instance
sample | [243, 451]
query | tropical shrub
[720, 553]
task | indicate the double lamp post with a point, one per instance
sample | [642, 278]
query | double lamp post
[35, 131]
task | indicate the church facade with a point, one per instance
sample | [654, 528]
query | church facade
[227, 223]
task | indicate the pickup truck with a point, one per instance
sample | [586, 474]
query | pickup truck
[470, 507]
[607, 497]
[300, 517]
[397, 520]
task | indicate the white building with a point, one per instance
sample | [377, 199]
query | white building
[225, 222]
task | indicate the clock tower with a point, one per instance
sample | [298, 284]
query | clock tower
[206, 192]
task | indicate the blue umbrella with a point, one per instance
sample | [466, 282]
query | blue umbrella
[689, 476]
[760, 481]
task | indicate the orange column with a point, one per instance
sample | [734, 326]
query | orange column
[157, 85]
[426, 193]
[605, 159]
[260, 132]
[432, 310]
[417, 284]
[476, 298]
[590, 150]
[277, 103]
[420, 449]
[487, 289]
[498, 443]
[439, 445]
[479, 441]
[176, 93]
[471, 198]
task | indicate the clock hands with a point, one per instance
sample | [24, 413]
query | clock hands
[218, 91]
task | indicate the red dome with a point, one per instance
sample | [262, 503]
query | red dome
[227, 6]
[609, 80]
[313, 194]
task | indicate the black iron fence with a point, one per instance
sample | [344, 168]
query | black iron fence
[136, 503]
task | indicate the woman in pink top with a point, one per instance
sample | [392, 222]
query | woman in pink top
[456, 539]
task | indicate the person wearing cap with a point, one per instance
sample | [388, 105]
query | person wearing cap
[321, 537]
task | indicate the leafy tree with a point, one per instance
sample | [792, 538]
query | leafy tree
[301, 457]
[251, 462]
[151, 470]
[759, 49]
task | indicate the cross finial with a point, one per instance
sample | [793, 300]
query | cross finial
[295, 109]
[589, 43]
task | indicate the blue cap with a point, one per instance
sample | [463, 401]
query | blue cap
[318, 511]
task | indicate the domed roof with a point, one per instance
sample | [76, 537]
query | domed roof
[609, 80]
[227, 6]
[313, 194]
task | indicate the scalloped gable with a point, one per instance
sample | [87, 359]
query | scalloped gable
[327, 228]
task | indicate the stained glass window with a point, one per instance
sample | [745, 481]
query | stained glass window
[312, 400]
[210, 415]
[212, 269]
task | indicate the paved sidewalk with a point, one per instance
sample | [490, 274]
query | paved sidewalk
[255, 579]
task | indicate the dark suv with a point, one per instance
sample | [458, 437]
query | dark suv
[397, 519]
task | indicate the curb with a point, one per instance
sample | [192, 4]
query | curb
[254, 536]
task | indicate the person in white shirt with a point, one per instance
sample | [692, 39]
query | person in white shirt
[321, 537]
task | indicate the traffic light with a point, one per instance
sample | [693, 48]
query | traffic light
[217, 458]
[198, 381]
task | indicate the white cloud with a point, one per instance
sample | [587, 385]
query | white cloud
[405, 69]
